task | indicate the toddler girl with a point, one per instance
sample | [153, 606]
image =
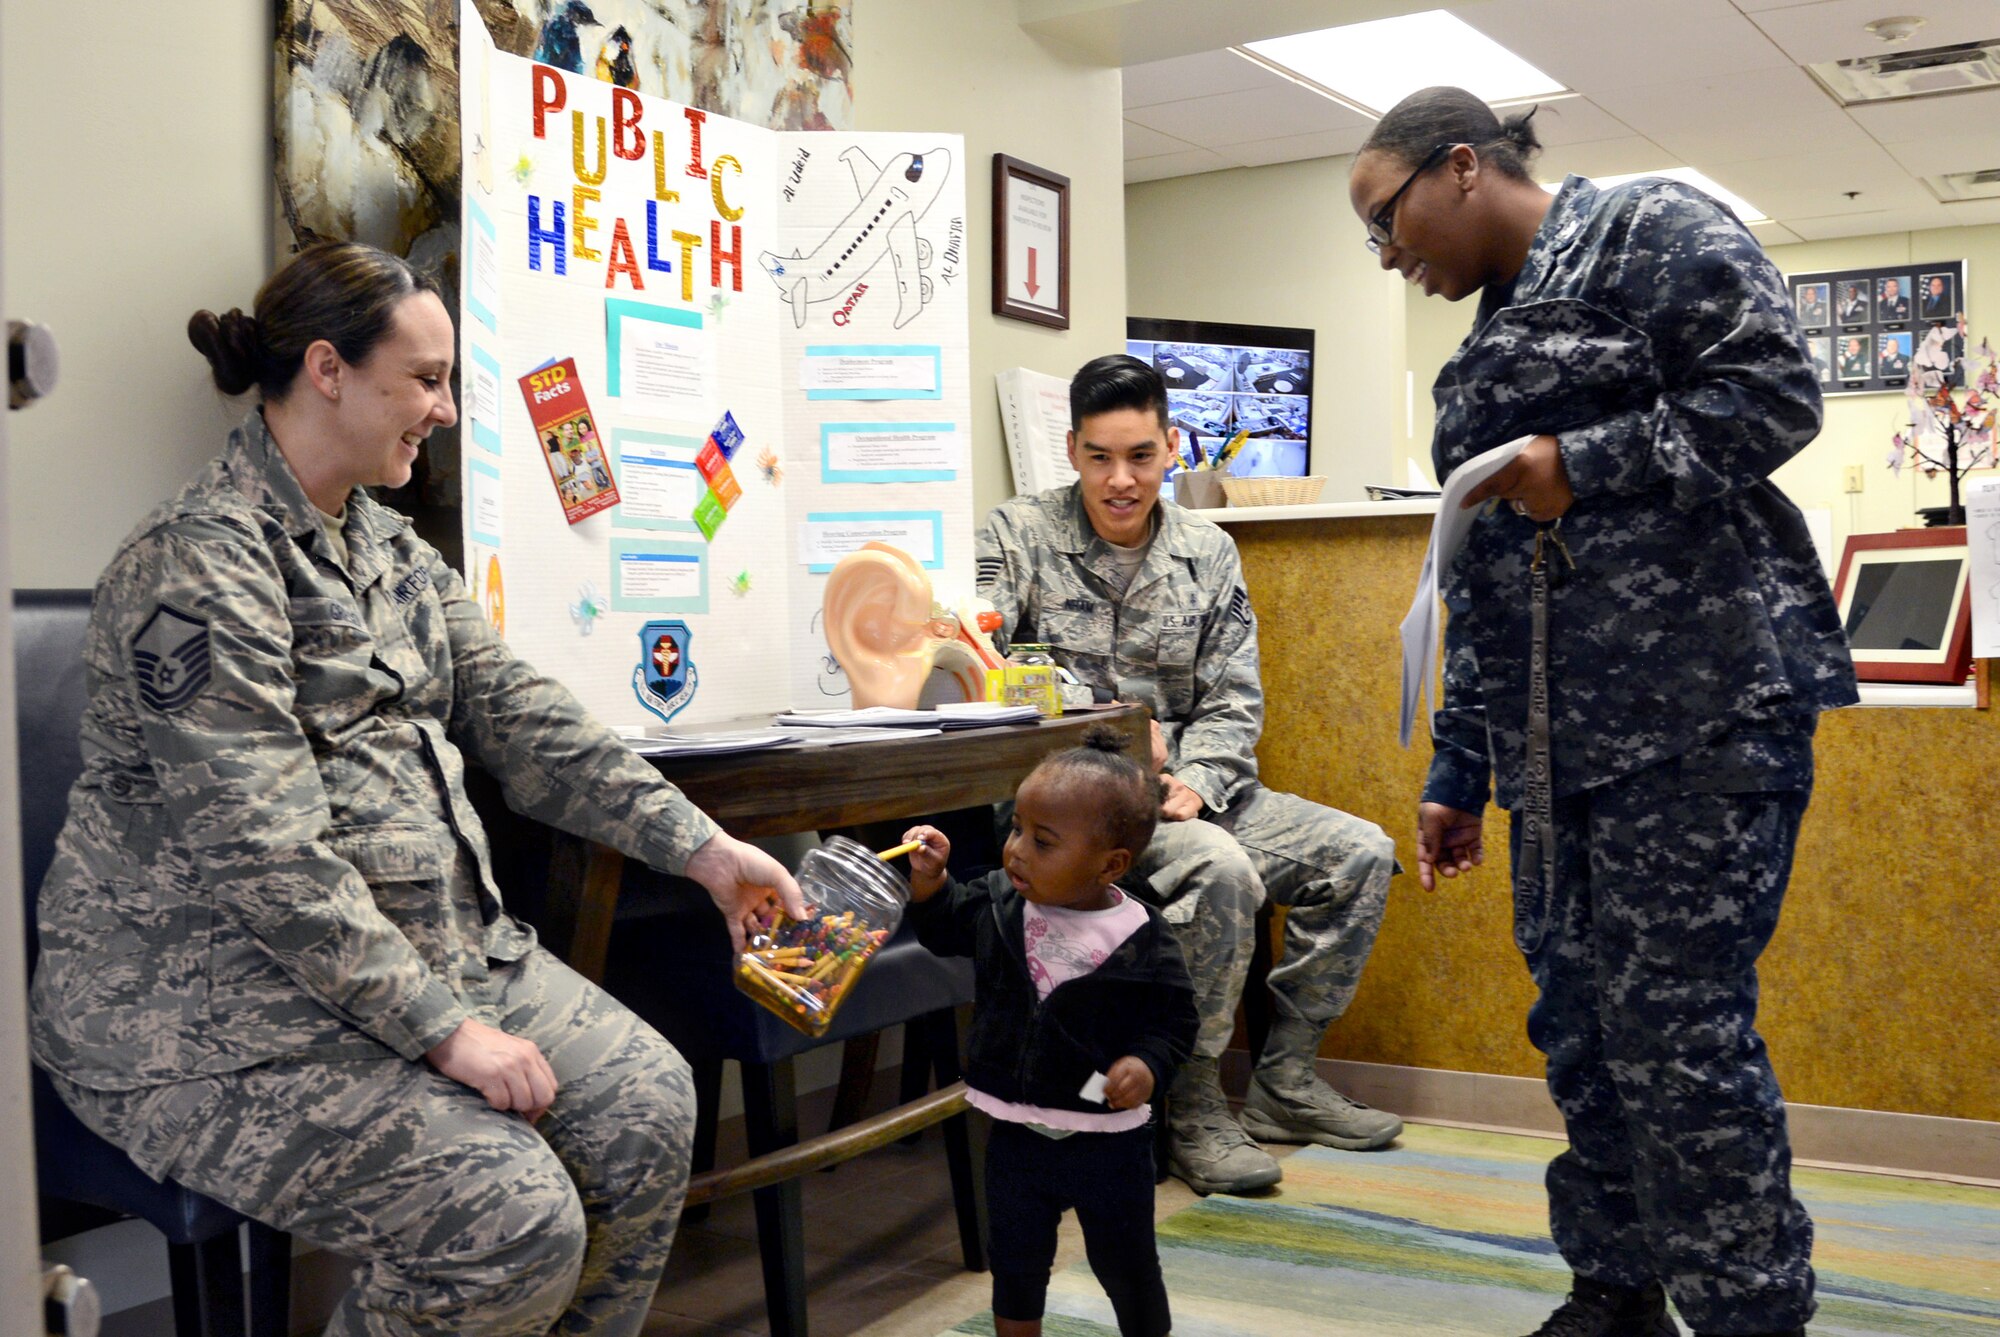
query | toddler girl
[1083, 1010]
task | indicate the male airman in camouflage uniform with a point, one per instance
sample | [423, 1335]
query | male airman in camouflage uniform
[272, 899]
[1127, 590]
[1690, 641]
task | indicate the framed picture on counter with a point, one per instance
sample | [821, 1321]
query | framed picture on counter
[1903, 601]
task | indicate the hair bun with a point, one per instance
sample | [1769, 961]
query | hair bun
[1104, 738]
[233, 344]
[1519, 131]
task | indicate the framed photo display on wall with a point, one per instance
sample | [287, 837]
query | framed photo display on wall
[1865, 327]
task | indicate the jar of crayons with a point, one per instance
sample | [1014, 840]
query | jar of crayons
[802, 969]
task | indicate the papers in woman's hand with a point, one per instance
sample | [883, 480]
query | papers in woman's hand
[1448, 531]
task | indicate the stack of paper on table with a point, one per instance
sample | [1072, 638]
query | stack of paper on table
[966, 715]
[717, 743]
[822, 737]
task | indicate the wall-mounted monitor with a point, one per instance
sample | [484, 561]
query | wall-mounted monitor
[1223, 378]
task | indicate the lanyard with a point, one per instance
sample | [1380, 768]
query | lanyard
[1535, 879]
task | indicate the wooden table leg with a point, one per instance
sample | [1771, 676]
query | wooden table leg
[771, 1123]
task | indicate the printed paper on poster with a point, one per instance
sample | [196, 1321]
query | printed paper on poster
[566, 434]
[662, 361]
[826, 538]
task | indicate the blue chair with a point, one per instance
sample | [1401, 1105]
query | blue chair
[72, 1164]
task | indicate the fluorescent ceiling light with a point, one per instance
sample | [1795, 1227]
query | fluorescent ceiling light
[1376, 65]
[1687, 176]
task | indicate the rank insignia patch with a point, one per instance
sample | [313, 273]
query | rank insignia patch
[170, 664]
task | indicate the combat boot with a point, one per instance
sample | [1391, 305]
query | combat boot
[1207, 1148]
[1288, 1102]
[1594, 1309]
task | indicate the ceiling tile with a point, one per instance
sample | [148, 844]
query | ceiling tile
[1815, 185]
[1871, 221]
[1929, 117]
[1143, 143]
[1238, 118]
[1296, 148]
[1604, 157]
[1974, 151]
[1598, 45]
[1836, 29]
[1576, 120]
[1773, 234]
[1186, 77]
[1972, 213]
[1185, 163]
[1707, 121]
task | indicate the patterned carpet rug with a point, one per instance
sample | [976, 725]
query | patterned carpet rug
[1446, 1234]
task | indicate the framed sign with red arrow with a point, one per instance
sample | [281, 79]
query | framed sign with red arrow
[1030, 243]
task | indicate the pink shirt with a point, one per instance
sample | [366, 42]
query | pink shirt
[1063, 944]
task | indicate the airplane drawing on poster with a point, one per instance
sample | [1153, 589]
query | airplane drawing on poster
[890, 200]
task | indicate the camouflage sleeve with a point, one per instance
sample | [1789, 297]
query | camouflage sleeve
[1460, 769]
[554, 762]
[1215, 749]
[199, 611]
[1002, 574]
[1738, 394]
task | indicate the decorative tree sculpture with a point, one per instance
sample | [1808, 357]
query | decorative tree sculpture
[1951, 432]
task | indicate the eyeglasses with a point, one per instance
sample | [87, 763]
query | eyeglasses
[1381, 225]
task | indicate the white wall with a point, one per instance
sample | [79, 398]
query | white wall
[967, 68]
[136, 188]
[1280, 246]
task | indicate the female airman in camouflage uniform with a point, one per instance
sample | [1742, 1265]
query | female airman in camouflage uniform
[274, 964]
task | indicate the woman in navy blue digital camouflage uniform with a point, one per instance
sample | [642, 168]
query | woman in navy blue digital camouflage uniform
[1641, 640]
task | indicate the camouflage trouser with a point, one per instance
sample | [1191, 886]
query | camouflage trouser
[1209, 876]
[1679, 1166]
[466, 1220]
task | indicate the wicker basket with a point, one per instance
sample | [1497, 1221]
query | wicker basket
[1274, 491]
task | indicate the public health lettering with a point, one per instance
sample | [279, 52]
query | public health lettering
[575, 229]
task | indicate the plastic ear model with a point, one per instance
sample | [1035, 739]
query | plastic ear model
[877, 615]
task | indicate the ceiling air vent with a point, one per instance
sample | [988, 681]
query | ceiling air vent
[1981, 185]
[1912, 74]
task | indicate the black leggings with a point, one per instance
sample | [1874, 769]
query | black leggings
[1108, 1178]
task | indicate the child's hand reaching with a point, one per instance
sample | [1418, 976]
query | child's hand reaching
[1129, 1084]
[927, 861]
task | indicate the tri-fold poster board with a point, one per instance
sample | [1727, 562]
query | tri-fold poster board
[702, 361]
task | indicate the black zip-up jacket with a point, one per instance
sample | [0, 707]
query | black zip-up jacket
[1040, 1051]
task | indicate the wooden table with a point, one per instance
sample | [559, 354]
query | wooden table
[818, 788]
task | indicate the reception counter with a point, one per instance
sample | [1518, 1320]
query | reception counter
[1882, 988]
